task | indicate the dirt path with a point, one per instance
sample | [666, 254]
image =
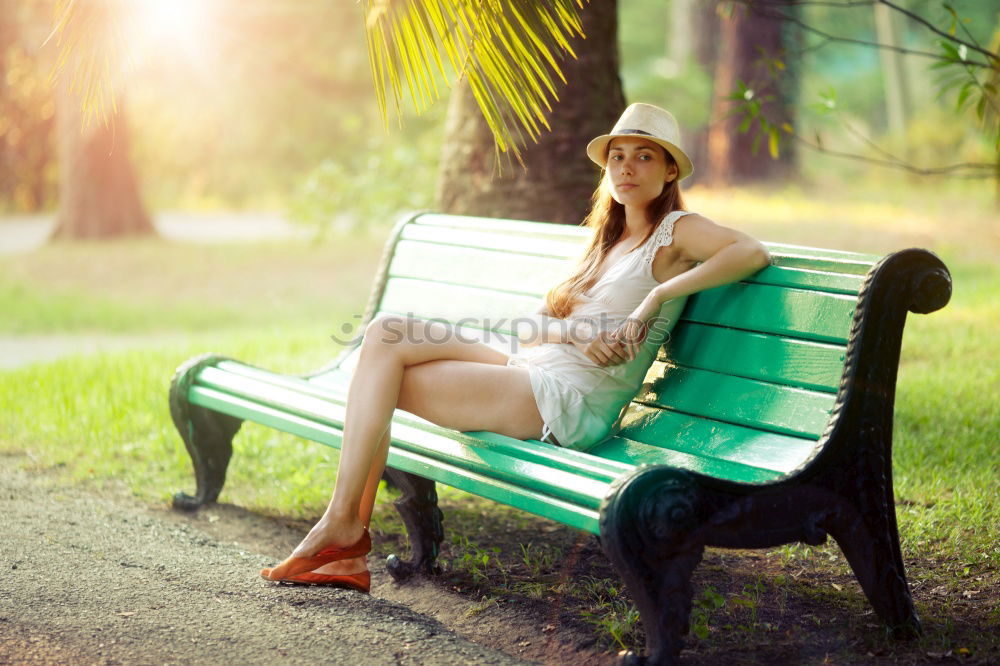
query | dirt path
[103, 579]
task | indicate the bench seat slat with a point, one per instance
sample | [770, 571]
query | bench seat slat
[771, 358]
[638, 453]
[800, 313]
[715, 439]
[484, 485]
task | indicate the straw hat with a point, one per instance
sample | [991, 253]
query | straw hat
[648, 122]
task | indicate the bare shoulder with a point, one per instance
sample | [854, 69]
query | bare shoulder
[697, 238]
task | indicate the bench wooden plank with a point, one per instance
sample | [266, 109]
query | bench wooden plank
[715, 439]
[818, 261]
[540, 246]
[498, 225]
[638, 453]
[797, 313]
[804, 278]
[455, 303]
[749, 402]
[771, 358]
[524, 273]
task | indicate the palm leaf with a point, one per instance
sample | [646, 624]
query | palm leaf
[509, 50]
[91, 52]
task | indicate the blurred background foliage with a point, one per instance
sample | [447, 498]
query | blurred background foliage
[270, 106]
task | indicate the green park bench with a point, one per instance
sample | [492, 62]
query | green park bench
[766, 419]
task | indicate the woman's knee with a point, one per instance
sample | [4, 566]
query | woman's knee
[387, 329]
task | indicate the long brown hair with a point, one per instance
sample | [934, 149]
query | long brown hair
[607, 219]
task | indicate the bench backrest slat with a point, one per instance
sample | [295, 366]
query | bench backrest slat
[750, 402]
[772, 358]
[633, 452]
[799, 313]
[662, 428]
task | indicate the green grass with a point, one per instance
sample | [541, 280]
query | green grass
[142, 286]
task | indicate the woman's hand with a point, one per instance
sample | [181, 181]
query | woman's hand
[633, 331]
[631, 334]
[599, 346]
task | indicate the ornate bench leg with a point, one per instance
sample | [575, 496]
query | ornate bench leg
[419, 509]
[866, 531]
[207, 435]
[646, 530]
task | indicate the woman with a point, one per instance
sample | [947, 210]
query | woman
[584, 358]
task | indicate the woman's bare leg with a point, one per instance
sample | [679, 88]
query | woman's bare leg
[359, 564]
[491, 396]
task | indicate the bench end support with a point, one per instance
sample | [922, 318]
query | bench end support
[419, 509]
[207, 435]
[649, 530]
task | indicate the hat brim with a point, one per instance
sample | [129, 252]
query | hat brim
[597, 151]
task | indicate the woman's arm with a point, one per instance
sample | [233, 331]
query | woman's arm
[725, 256]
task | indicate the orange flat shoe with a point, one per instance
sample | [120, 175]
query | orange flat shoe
[293, 566]
[362, 581]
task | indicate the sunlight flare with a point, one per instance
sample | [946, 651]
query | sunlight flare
[171, 27]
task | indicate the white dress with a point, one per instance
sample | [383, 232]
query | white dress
[580, 401]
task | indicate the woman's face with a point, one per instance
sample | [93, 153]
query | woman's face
[637, 170]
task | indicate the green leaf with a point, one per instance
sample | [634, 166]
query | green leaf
[508, 51]
[772, 143]
[963, 95]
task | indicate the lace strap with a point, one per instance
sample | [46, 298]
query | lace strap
[663, 235]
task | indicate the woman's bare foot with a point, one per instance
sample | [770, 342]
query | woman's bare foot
[326, 543]
[327, 533]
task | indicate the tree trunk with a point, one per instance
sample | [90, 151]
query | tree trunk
[98, 193]
[747, 41]
[557, 179]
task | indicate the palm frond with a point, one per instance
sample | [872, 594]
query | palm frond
[508, 49]
[91, 50]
